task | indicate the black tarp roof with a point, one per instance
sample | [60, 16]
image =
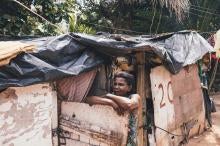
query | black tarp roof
[70, 54]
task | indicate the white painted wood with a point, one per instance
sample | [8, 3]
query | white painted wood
[178, 104]
[163, 108]
[26, 116]
[54, 117]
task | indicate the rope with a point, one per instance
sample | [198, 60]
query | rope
[37, 15]
[204, 8]
[152, 21]
[180, 135]
[113, 28]
[195, 14]
[59, 27]
[205, 11]
[158, 24]
[93, 23]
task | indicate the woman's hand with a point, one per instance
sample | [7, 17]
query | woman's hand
[105, 101]
[115, 106]
[125, 103]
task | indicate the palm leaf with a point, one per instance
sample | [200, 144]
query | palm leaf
[179, 7]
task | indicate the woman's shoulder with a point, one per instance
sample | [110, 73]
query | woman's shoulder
[134, 95]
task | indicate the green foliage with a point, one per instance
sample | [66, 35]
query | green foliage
[204, 15]
[142, 16]
[137, 17]
[83, 29]
[147, 18]
[75, 26]
[16, 20]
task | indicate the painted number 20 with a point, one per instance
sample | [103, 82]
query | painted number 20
[161, 87]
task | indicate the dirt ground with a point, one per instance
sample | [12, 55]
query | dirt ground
[211, 137]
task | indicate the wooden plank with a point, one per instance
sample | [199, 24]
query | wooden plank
[25, 116]
[10, 49]
[54, 117]
[141, 90]
[92, 125]
[163, 109]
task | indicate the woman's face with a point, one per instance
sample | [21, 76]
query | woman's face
[121, 87]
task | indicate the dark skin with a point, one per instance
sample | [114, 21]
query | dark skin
[118, 100]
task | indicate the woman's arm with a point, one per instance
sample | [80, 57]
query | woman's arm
[124, 102]
[92, 100]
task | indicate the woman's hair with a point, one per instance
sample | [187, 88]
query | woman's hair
[128, 77]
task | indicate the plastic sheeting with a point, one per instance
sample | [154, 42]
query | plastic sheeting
[66, 55]
[9, 50]
[56, 57]
[175, 49]
[182, 49]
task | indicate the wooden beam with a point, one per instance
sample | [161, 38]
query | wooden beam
[141, 77]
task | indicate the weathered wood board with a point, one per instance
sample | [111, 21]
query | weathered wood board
[26, 116]
[178, 104]
[97, 125]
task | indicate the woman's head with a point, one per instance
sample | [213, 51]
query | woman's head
[123, 83]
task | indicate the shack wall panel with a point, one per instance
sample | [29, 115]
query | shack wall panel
[178, 104]
[92, 125]
[25, 116]
[54, 118]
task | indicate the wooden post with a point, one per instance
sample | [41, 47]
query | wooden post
[141, 77]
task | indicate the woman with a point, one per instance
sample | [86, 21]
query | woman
[121, 100]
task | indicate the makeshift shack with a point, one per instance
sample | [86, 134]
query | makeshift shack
[42, 91]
